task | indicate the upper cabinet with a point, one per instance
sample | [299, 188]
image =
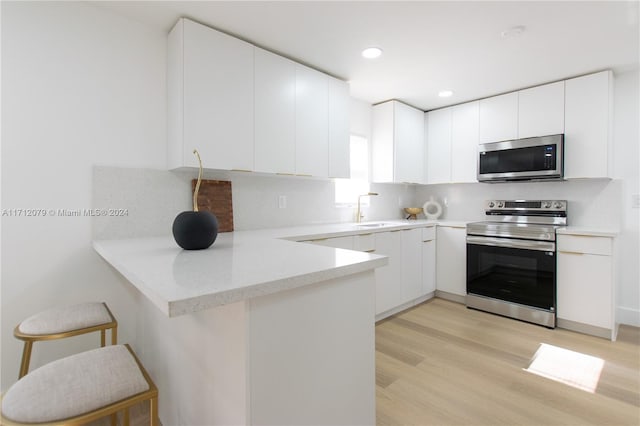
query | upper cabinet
[312, 122]
[499, 118]
[438, 124]
[538, 111]
[452, 143]
[541, 110]
[245, 108]
[464, 142]
[210, 97]
[398, 143]
[339, 152]
[275, 113]
[587, 133]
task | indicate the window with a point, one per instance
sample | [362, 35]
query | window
[347, 190]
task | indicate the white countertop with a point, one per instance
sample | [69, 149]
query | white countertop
[239, 265]
[245, 264]
[588, 231]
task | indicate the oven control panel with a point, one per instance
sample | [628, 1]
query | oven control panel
[526, 205]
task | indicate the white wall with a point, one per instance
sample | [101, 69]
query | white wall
[80, 86]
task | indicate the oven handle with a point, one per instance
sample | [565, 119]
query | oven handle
[511, 243]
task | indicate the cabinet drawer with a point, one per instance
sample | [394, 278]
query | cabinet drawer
[585, 244]
[429, 233]
[364, 242]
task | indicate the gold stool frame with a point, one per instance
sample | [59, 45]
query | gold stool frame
[150, 395]
[30, 338]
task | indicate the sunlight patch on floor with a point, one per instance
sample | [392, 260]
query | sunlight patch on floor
[571, 368]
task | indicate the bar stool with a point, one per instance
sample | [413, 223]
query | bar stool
[59, 323]
[81, 388]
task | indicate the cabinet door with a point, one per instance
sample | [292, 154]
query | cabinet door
[585, 292]
[411, 264]
[408, 144]
[312, 122]
[541, 110]
[451, 260]
[389, 278]
[587, 125]
[428, 267]
[382, 142]
[439, 146]
[216, 105]
[275, 79]
[499, 118]
[465, 127]
[339, 148]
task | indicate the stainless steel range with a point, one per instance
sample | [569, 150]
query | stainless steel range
[511, 259]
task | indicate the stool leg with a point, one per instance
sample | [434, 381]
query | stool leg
[153, 411]
[114, 335]
[114, 419]
[102, 338]
[125, 420]
[26, 358]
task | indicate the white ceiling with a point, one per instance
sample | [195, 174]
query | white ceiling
[428, 45]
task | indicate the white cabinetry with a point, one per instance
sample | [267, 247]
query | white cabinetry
[339, 152]
[411, 264]
[428, 260]
[586, 291]
[465, 125]
[499, 118]
[311, 122]
[451, 262]
[452, 143]
[398, 143]
[275, 97]
[210, 98]
[438, 124]
[541, 110]
[389, 277]
[587, 131]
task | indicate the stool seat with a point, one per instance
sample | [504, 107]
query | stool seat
[76, 385]
[65, 319]
[60, 323]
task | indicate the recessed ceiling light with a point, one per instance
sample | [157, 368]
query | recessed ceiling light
[513, 31]
[371, 52]
[445, 93]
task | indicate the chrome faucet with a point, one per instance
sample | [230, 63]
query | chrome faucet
[359, 215]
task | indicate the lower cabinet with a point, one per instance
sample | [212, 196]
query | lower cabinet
[428, 260]
[585, 284]
[388, 278]
[451, 261]
[411, 271]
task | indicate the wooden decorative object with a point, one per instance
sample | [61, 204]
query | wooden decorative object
[215, 196]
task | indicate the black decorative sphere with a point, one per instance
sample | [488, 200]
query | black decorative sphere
[195, 230]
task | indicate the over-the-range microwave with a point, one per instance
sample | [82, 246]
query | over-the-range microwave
[539, 158]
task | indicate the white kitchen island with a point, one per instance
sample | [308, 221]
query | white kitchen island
[254, 330]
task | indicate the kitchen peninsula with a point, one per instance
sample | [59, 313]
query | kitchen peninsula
[255, 329]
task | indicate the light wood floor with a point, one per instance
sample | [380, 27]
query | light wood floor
[443, 364]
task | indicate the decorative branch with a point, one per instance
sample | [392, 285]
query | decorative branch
[195, 193]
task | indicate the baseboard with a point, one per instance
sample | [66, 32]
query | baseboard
[628, 316]
[587, 329]
[451, 297]
[404, 306]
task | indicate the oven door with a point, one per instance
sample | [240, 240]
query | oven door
[516, 271]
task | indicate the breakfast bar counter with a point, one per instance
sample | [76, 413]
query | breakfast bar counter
[255, 329]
